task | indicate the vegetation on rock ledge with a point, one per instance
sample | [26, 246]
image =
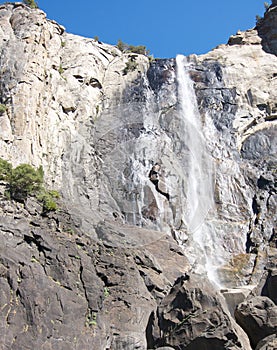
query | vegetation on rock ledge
[31, 3]
[140, 49]
[24, 181]
[130, 66]
[3, 108]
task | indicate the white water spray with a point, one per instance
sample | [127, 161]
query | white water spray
[203, 250]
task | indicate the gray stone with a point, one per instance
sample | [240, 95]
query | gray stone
[268, 343]
[234, 297]
[262, 144]
[258, 317]
[58, 284]
[191, 317]
[267, 29]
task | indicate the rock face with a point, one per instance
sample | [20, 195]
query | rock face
[121, 265]
[267, 29]
[60, 290]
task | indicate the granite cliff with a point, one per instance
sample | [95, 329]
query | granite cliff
[121, 265]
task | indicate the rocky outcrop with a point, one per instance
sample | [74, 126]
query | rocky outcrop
[254, 127]
[120, 265]
[249, 37]
[66, 291]
[267, 29]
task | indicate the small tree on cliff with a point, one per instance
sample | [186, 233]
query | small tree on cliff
[30, 3]
[5, 170]
[140, 49]
[24, 181]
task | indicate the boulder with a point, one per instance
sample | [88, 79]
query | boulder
[235, 296]
[268, 343]
[191, 317]
[257, 317]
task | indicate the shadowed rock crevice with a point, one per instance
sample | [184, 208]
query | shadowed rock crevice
[155, 178]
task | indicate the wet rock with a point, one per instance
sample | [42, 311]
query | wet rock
[160, 73]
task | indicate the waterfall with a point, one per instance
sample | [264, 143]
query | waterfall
[203, 251]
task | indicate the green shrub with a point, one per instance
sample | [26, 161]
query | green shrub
[258, 19]
[140, 49]
[61, 70]
[3, 108]
[24, 181]
[54, 194]
[122, 46]
[5, 170]
[48, 200]
[106, 292]
[151, 58]
[131, 65]
[40, 172]
[31, 3]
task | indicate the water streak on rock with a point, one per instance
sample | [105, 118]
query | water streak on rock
[200, 189]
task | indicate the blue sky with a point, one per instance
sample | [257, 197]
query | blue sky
[165, 27]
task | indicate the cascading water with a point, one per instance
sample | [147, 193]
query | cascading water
[203, 251]
[153, 130]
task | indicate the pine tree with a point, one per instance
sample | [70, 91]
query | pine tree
[30, 3]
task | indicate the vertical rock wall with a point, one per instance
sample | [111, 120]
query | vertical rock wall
[97, 129]
[97, 126]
